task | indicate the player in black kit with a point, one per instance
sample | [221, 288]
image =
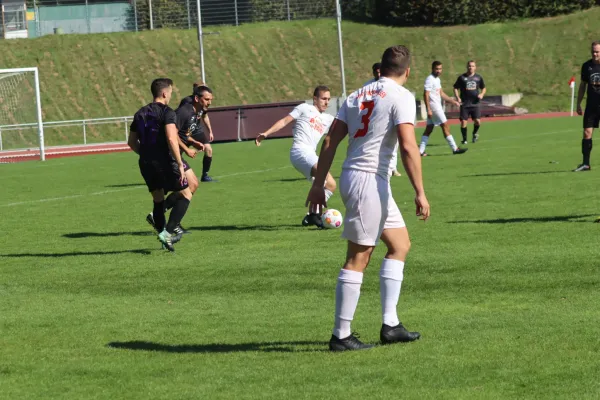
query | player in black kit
[203, 133]
[153, 135]
[469, 98]
[590, 78]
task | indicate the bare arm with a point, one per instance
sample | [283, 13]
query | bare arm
[448, 98]
[457, 94]
[337, 133]
[277, 126]
[186, 149]
[173, 139]
[206, 122]
[411, 159]
[580, 94]
[482, 94]
[426, 97]
[134, 142]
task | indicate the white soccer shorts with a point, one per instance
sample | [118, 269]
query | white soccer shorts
[437, 118]
[303, 160]
[370, 207]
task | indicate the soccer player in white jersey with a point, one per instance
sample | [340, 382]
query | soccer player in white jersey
[433, 95]
[376, 119]
[312, 122]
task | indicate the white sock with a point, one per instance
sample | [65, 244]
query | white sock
[328, 194]
[451, 142]
[347, 293]
[390, 283]
[423, 145]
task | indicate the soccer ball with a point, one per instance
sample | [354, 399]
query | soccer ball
[332, 219]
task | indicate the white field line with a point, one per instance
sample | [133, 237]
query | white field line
[142, 186]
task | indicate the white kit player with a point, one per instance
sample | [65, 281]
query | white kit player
[432, 96]
[312, 122]
[377, 118]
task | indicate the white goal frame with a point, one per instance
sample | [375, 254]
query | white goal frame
[38, 101]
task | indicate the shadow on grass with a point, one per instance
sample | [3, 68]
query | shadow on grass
[81, 235]
[285, 180]
[514, 173]
[560, 218]
[78, 253]
[122, 185]
[267, 347]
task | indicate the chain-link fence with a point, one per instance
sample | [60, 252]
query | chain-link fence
[45, 17]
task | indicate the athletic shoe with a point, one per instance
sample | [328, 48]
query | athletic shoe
[582, 167]
[475, 138]
[180, 230]
[175, 237]
[207, 178]
[150, 220]
[166, 239]
[396, 334]
[312, 219]
[396, 173]
[464, 141]
[424, 154]
[349, 343]
[459, 151]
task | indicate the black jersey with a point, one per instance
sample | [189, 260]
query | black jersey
[469, 87]
[150, 124]
[590, 74]
[186, 100]
[189, 122]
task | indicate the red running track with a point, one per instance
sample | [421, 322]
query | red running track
[68, 151]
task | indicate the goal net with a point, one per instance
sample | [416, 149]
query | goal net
[21, 111]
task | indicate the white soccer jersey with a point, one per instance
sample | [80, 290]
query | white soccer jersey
[310, 126]
[433, 85]
[372, 114]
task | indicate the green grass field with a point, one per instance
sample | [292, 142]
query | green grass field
[502, 282]
[109, 75]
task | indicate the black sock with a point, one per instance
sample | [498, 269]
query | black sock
[475, 129]
[171, 199]
[177, 213]
[158, 213]
[586, 149]
[464, 132]
[206, 161]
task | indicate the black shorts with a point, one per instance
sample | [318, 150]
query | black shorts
[162, 175]
[470, 111]
[591, 117]
[201, 137]
[186, 166]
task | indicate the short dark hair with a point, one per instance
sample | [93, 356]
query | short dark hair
[471, 61]
[158, 85]
[395, 61]
[320, 89]
[199, 90]
[376, 66]
[596, 43]
[435, 64]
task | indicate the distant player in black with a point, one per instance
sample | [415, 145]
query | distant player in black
[153, 135]
[469, 98]
[590, 77]
[203, 133]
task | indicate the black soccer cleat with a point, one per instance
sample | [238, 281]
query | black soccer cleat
[459, 151]
[464, 141]
[167, 240]
[207, 178]
[582, 168]
[312, 219]
[475, 138]
[397, 334]
[180, 230]
[349, 343]
[150, 220]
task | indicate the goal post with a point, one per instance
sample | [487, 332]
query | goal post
[21, 109]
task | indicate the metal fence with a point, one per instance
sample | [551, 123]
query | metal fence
[91, 16]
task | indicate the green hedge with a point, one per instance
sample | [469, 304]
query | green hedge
[458, 12]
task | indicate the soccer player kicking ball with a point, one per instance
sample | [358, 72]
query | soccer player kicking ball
[375, 118]
[312, 122]
[153, 135]
[433, 95]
